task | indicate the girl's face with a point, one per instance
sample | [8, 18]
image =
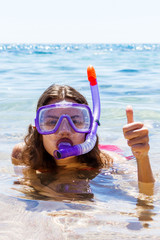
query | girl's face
[65, 133]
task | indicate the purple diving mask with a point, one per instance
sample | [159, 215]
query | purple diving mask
[50, 117]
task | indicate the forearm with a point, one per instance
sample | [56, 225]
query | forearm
[145, 174]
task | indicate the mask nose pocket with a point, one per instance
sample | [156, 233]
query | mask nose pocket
[64, 126]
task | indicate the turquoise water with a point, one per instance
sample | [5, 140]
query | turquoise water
[109, 204]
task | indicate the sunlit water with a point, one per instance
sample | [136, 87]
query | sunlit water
[88, 205]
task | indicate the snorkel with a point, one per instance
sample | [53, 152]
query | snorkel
[66, 150]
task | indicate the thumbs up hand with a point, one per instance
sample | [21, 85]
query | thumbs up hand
[137, 135]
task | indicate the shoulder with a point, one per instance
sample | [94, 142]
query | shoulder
[109, 157]
[17, 153]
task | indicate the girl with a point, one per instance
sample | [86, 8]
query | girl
[37, 150]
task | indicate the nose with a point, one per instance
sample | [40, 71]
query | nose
[64, 127]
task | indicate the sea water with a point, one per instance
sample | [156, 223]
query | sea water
[108, 205]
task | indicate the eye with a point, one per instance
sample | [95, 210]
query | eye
[51, 122]
[78, 123]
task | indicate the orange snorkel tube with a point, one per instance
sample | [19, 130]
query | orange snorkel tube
[91, 137]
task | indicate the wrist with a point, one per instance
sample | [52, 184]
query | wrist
[141, 156]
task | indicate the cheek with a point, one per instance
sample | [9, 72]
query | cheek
[49, 143]
[80, 138]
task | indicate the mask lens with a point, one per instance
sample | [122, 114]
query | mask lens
[47, 119]
[80, 118]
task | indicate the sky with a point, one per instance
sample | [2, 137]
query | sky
[83, 21]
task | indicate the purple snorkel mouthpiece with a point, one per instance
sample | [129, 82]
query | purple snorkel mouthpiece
[66, 150]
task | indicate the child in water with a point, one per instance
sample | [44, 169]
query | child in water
[55, 127]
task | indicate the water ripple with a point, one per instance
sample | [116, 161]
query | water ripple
[53, 48]
[129, 71]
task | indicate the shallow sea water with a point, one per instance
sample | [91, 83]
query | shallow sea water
[88, 205]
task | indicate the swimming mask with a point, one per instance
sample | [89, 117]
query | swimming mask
[49, 117]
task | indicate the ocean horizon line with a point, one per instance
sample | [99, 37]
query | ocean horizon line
[81, 43]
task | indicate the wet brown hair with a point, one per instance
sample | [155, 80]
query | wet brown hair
[34, 153]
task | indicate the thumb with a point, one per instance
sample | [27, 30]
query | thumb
[129, 114]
